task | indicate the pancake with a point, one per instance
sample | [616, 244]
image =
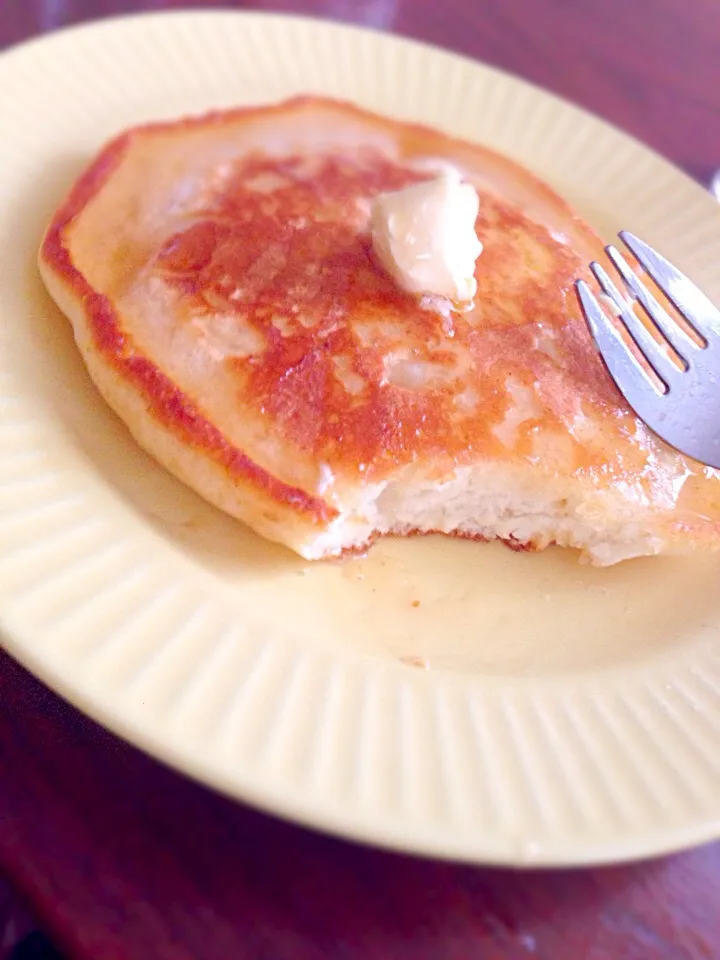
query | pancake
[221, 283]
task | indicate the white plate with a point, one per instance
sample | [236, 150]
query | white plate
[569, 714]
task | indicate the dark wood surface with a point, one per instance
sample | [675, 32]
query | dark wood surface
[125, 860]
[650, 66]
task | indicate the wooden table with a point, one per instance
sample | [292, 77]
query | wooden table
[124, 860]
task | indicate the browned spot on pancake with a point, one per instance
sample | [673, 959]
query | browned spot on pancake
[295, 263]
[167, 402]
[517, 546]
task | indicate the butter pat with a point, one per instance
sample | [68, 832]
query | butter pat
[424, 236]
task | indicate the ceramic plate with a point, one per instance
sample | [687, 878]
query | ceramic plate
[562, 714]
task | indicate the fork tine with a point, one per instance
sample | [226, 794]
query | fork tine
[623, 365]
[681, 342]
[654, 353]
[692, 303]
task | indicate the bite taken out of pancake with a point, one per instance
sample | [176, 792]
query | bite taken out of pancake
[220, 279]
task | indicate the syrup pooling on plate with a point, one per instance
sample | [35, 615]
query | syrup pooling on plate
[276, 271]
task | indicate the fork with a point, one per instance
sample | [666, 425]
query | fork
[670, 379]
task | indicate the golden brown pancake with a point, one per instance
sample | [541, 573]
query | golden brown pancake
[220, 279]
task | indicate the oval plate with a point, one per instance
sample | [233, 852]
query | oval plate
[568, 714]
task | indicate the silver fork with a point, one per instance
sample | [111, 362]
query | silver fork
[681, 403]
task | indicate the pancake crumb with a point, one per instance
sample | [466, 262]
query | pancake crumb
[412, 660]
